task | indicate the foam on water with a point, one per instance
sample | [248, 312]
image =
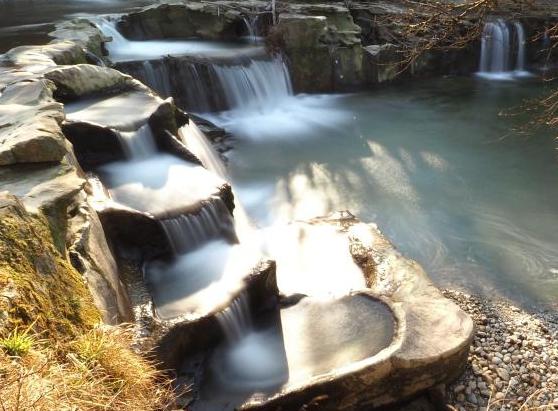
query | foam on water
[299, 344]
[200, 281]
[159, 183]
[290, 118]
[121, 49]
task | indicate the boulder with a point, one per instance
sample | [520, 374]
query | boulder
[37, 284]
[84, 80]
[28, 93]
[37, 59]
[322, 46]
[91, 256]
[82, 32]
[198, 20]
[93, 145]
[55, 194]
[31, 134]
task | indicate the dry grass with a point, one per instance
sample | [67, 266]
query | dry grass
[97, 371]
[527, 405]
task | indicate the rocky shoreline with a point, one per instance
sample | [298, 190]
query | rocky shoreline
[513, 361]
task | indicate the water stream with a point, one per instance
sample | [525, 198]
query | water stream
[503, 51]
[434, 164]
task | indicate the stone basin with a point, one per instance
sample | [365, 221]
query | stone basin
[309, 341]
[393, 339]
[159, 183]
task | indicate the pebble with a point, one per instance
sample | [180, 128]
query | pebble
[513, 358]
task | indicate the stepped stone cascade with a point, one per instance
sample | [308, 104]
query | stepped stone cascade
[188, 206]
[401, 328]
[40, 169]
[337, 322]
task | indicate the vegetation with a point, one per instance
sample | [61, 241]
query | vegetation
[97, 371]
[53, 352]
[17, 343]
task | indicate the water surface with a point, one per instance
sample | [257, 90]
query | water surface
[434, 164]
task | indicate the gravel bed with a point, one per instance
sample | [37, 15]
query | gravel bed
[513, 363]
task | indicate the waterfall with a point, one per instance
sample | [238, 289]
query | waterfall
[138, 144]
[256, 83]
[521, 40]
[109, 29]
[187, 232]
[251, 23]
[196, 141]
[502, 50]
[236, 320]
[157, 77]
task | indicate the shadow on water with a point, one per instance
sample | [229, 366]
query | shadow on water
[434, 165]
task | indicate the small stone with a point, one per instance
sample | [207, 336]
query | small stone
[459, 388]
[472, 398]
[503, 374]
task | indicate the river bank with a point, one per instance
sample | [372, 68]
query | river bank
[513, 362]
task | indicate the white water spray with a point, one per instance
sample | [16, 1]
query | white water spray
[501, 42]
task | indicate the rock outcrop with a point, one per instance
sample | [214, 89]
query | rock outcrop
[199, 20]
[37, 283]
[322, 45]
[39, 168]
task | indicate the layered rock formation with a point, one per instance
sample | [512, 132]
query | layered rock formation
[39, 168]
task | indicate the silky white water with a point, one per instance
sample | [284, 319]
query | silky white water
[187, 232]
[159, 184]
[503, 51]
[121, 49]
[138, 144]
[433, 164]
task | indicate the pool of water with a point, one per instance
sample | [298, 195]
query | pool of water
[307, 340]
[434, 163]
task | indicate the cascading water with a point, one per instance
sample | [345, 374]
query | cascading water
[118, 41]
[236, 320]
[521, 40]
[121, 49]
[189, 231]
[157, 77]
[196, 141]
[502, 50]
[256, 83]
[138, 144]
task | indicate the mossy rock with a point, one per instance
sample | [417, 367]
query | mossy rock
[37, 284]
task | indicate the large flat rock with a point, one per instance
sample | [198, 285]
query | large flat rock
[341, 350]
